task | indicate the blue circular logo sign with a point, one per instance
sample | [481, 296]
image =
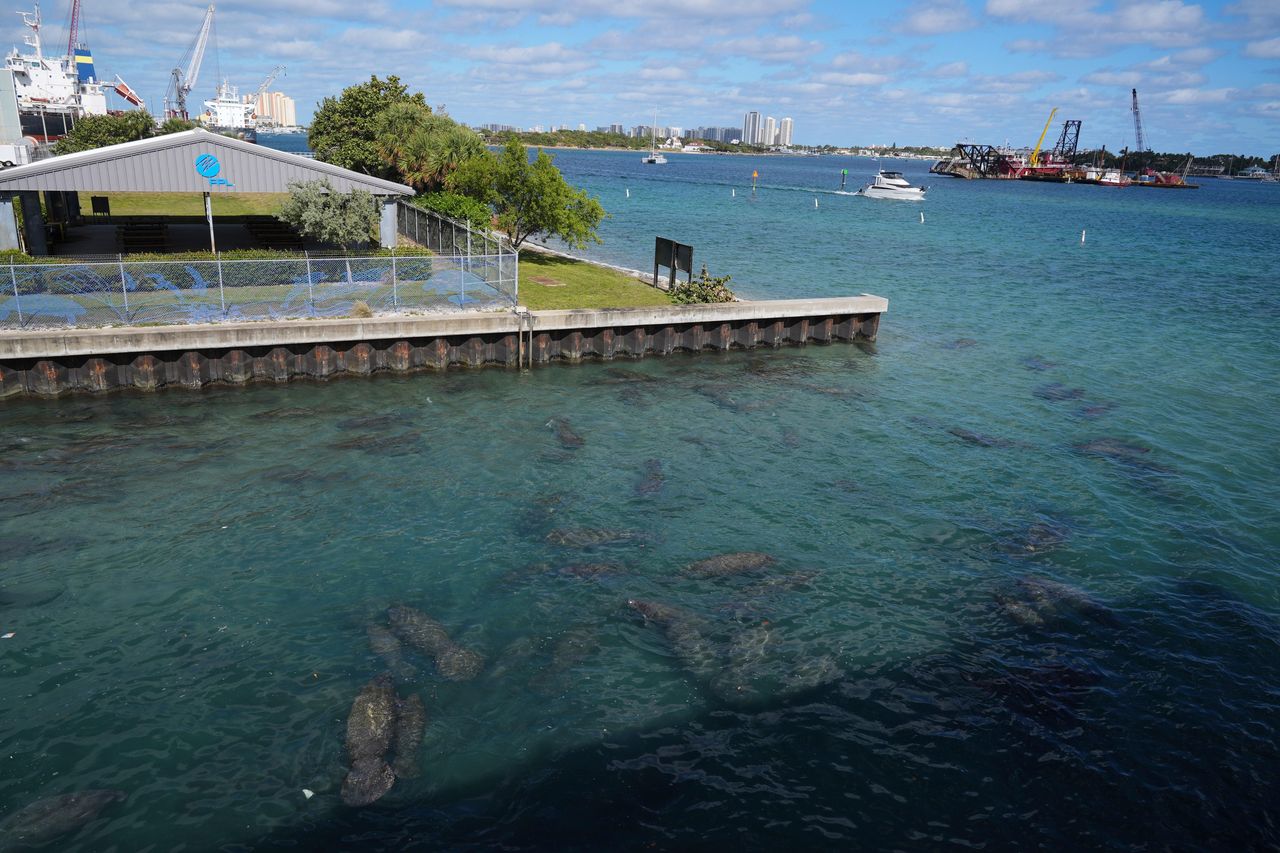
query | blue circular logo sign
[207, 166]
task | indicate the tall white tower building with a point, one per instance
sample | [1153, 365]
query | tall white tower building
[784, 132]
[751, 128]
[770, 134]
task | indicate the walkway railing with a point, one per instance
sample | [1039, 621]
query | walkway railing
[100, 292]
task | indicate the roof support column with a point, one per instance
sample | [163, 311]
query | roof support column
[33, 224]
[8, 225]
[387, 227]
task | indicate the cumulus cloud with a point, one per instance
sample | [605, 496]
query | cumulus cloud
[771, 48]
[1268, 49]
[936, 17]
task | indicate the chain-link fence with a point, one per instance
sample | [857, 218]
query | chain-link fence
[446, 236]
[120, 292]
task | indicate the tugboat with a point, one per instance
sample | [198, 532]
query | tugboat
[892, 185]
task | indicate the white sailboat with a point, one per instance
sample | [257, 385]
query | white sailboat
[654, 158]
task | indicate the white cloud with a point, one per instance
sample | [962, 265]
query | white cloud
[1113, 78]
[936, 17]
[771, 48]
[1268, 49]
[1197, 96]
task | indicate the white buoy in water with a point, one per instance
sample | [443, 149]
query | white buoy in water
[922, 217]
[734, 192]
[815, 204]
[628, 192]
[1082, 230]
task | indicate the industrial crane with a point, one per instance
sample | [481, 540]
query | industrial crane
[184, 79]
[1035, 155]
[1137, 124]
[275, 72]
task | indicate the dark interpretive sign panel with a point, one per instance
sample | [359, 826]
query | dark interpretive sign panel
[677, 257]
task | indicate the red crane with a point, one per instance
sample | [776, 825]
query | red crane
[73, 28]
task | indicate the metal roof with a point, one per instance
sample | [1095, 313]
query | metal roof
[193, 161]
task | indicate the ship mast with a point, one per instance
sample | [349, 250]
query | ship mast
[32, 20]
[73, 28]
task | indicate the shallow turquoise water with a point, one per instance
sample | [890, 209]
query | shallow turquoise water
[189, 576]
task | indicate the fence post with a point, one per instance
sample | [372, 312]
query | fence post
[311, 298]
[515, 286]
[395, 295]
[468, 247]
[123, 287]
[222, 297]
[17, 300]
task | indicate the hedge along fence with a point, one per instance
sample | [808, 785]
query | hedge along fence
[130, 292]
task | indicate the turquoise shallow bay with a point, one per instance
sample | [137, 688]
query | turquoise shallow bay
[189, 576]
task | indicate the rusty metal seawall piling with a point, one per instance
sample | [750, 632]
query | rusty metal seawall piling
[49, 363]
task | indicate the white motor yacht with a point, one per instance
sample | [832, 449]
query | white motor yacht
[892, 185]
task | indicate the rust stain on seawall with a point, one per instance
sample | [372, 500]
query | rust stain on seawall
[48, 363]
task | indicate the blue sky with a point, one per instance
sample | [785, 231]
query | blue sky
[925, 72]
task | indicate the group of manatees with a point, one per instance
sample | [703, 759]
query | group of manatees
[385, 730]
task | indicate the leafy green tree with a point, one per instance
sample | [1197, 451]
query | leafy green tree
[98, 131]
[531, 198]
[316, 210]
[344, 130]
[456, 206]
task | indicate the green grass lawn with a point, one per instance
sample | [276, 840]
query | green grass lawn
[548, 282]
[187, 204]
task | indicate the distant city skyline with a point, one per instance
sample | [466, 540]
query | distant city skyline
[920, 72]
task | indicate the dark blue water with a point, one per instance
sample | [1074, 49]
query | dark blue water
[1023, 590]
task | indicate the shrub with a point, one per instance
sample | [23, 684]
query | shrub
[703, 289]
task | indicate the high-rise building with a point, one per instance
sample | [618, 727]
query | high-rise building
[618, 129]
[769, 135]
[274, 108]
[784, 132]
[675, 132]
[751, 128]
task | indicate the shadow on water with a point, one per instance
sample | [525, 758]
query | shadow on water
[1009, 740]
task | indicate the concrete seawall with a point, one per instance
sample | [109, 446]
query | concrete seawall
[49, 363]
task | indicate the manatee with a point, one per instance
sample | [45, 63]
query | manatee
[45, 820]
[369, 729]
[568, 439]
[720, 397]
[745, 661]
[980, 439]
[364, 422]
[1056, 392]
[29, 597]
[453, 662]
[683, 634]
[1050, 595]
[1113, 448]
[1096, 410]
[652, 481]
[587, 537]
[622, 375]
[406, 740]
[722, 565]
[960, 343]
[386, 645]
[800, 579]
[572, 648]
[588, 570]
[1018, 611]
[285, 412]
[1037, 362]
[813, 672]
[1040, 537]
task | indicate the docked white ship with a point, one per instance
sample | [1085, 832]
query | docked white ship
[226, 112]
[52, 93]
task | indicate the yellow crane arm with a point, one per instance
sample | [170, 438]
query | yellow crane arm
[1035, 155]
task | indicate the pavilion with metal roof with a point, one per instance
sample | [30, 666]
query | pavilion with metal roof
[193, 161]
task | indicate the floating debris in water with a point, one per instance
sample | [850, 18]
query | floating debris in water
[308, 793]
